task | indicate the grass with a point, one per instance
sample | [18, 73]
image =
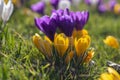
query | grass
[20, 60]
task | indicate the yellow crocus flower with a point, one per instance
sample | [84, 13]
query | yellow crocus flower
[43, 45]
[89, 56]
[116, 75]
[81, 44]
[79, 33]
[117, 9]
[69, 57]
[61, 43]
[110, 75]
[111, 41]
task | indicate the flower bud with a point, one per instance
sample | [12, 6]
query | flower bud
[81, 44]
[61, 43]
[7, 11]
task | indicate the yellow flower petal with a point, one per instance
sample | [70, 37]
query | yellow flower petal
[114, 73]
[89, 56]
[43, 45]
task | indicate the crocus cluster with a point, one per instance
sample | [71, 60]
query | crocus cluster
[105, 6]
[110, 6]
[6, 10]
[110, 75]
[65, 40]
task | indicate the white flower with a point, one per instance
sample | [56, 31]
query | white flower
[1, 7]
[76, 2]
[64, 4]
[7, 10]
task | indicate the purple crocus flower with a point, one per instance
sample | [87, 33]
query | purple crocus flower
[65, 21]
[39, 7]
[54, 3]
[47, 25]
[111, 4]
[102, 8]
[81, 19]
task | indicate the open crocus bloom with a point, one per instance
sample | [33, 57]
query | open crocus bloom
[110, 75]
[81, 44]
[44, 45]
[111, 41]
[61, 44]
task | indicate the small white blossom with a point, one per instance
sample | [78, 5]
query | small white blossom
[64, 4]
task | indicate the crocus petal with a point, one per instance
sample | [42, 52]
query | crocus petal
[46, 25]
[54, 3]
[43, 45]
[7, 11]
[81, 20]
[39, 7]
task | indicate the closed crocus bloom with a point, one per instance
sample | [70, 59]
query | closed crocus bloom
[110, 75]
[7, 11]
[89, 56]
[81, 44]
[39, 7]
[81, 20]
[1, 7]
[47, 25]
[111, 41]
[43, 45]
[54, 3]
[63, 4]
[116, 9]
[61, 43]
[65, 22]
[69, 57]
